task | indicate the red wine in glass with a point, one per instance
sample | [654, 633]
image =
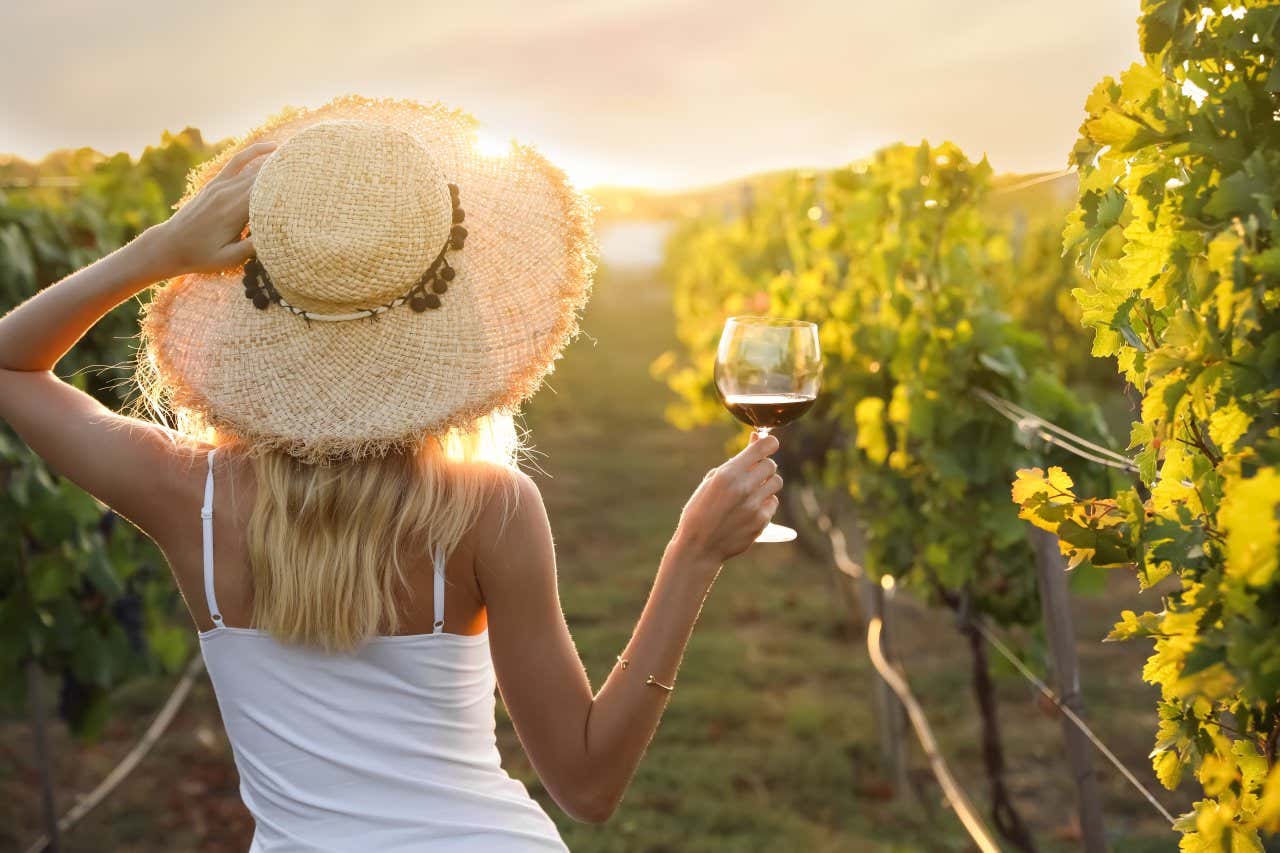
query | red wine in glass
[768, 370]
[768, 411]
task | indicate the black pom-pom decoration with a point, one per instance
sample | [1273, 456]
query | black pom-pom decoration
[418, 303]
[447, 273]
[440, 287]
[261, 300]
[432, 300]
[458, 215]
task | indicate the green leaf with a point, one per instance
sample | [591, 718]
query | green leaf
[1132, 626]
[1203, 657]
[51, 578]
[169, 644]
[1159, 21]
[102, 575]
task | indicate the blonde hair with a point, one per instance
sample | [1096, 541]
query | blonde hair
[326, 541]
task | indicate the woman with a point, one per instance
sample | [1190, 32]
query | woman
[339, 502]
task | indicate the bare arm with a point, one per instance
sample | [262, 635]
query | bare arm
[586, 748]
[133, 466]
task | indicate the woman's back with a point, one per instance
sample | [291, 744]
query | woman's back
[383, 747]
[370, 410]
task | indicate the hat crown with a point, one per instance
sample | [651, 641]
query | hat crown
[347, 215]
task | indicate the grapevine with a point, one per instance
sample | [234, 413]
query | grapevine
[899, 263]
[82, 594]
[1176, 229]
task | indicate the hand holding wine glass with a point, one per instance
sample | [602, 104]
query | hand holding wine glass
[731, 505]
[767, 372]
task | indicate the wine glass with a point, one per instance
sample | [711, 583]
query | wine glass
[767, 373]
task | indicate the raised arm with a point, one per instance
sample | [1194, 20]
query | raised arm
[126, 463]
[586, 749]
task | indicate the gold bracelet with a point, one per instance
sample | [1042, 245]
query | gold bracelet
[650, 680]
[657, 683]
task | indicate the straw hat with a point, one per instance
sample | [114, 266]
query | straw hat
[403, 285]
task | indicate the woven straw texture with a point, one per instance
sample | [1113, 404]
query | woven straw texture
[329, 390]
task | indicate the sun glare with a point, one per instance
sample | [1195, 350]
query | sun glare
[491, 145]
[583, 171]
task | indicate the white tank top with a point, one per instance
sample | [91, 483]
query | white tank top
[389, 749]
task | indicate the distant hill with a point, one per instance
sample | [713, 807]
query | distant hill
[1010, 193]
[638, 203]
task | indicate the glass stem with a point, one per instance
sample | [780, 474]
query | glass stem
[761, 432]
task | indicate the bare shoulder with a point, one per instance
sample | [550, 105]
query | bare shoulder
[512, 530]
[513, 509]
[181, 475]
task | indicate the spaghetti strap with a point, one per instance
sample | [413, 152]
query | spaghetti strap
[438, 627]
[206, 519]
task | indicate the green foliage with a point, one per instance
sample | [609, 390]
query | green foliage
[1034, 287]
[900, 266]
[81, 592]
[1176, 228]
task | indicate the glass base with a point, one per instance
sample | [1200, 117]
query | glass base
[776, 533]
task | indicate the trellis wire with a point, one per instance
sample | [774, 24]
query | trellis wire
[839, 548]
[107, 786]
[1031, 182]
[964, 809]
[1053, 434]
[983, 628]
[840, 555]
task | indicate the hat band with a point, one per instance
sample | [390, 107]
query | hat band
[425, 293]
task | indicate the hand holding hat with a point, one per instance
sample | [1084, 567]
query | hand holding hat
[207, 234]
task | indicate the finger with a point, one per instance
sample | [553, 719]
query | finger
[248, 174]
[753, 453]
[255, 165]
[763, 470]
[234, 254]
[242, 158]
[769, 487]
[239, 188]
[765, 513]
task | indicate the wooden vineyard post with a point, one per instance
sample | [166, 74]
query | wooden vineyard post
[1055, 605]
[890, 715]
[44, 760]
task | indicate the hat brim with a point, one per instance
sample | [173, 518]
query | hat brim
[349, 389]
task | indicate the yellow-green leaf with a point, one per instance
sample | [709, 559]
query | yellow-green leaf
[1226, 425]
[869, 416]
[1248, 517]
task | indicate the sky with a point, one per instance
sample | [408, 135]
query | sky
[626, 92]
